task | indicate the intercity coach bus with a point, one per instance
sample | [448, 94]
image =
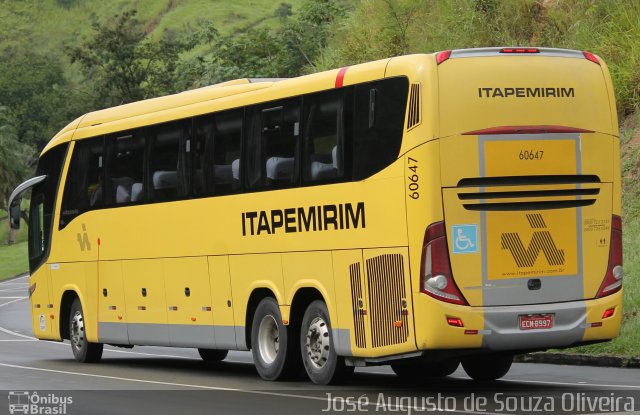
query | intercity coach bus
[420, 211]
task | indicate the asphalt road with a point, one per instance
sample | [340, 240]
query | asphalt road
[175, 381]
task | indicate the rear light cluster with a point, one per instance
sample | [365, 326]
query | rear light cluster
[437, 279]
[519, 50]
[442, 56]
[612, 282]
[590, 56]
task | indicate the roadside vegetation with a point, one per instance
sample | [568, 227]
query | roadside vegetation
[107, 53]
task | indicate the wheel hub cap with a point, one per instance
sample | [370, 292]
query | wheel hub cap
[268, 339]
[317, 344]
[77, 330]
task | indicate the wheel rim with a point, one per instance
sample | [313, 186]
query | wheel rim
[317, 345]
[77, 330]
[268, 339]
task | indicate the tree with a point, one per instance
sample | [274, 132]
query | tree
[123, 64]
[306, 37]
[16, 159]
[34, 91]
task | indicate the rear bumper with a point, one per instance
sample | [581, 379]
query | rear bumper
[497, 328]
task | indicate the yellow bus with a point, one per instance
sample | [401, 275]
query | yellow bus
[421, 211]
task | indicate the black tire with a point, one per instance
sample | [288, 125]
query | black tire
[83, 351]
[213, 355]
[321, 362]
[424, 370]
[275, 350]
[487, 367]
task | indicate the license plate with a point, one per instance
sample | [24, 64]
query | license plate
[535, 322]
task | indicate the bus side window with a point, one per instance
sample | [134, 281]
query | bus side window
[83, 187]
[166, 162]
[125, 168]
[227, 138]
[379, 125]
[327, 127]
[201, 155]
[272, 145]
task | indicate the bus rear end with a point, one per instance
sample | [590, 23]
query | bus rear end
[529, 253]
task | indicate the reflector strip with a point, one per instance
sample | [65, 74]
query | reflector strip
[340, 77]
[527, 129]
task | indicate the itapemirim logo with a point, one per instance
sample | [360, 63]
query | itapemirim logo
[24, 402]
[540, 241]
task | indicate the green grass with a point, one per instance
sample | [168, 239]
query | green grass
[13, 260]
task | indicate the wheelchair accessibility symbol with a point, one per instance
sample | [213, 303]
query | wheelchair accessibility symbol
[465, 239]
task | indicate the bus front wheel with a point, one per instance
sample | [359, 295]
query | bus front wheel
[321, 362]
[83, 351]
[487, 367]
[213, 355]
[274, 348]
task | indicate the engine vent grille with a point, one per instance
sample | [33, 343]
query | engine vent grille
[387, 300]
[413, 118]
[358, 304]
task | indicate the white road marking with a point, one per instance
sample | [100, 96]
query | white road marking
[218, 388]
[9, 298]
[18, 340]
[13, 281]
[11, 302]
[13, 333]
[13, 289]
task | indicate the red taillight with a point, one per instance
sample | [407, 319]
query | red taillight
[436, 277]
[442, 56]
[590, 56]
[608, 313]
[612, 282]
[519, 50]
[455, 322]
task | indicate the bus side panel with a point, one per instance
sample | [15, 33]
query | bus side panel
[40, 300]
[188, 302]
[248, 273]
[309, 270]
[222, 303]
[146, 302]
[112, 326]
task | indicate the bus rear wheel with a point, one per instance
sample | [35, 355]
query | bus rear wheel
[83, 351]
[321, 362]
[275, 350]
[487, 367]
[213, 355]
[423, 370]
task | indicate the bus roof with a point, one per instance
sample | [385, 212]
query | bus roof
[197, 101]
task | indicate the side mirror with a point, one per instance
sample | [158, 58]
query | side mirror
[14, 213]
